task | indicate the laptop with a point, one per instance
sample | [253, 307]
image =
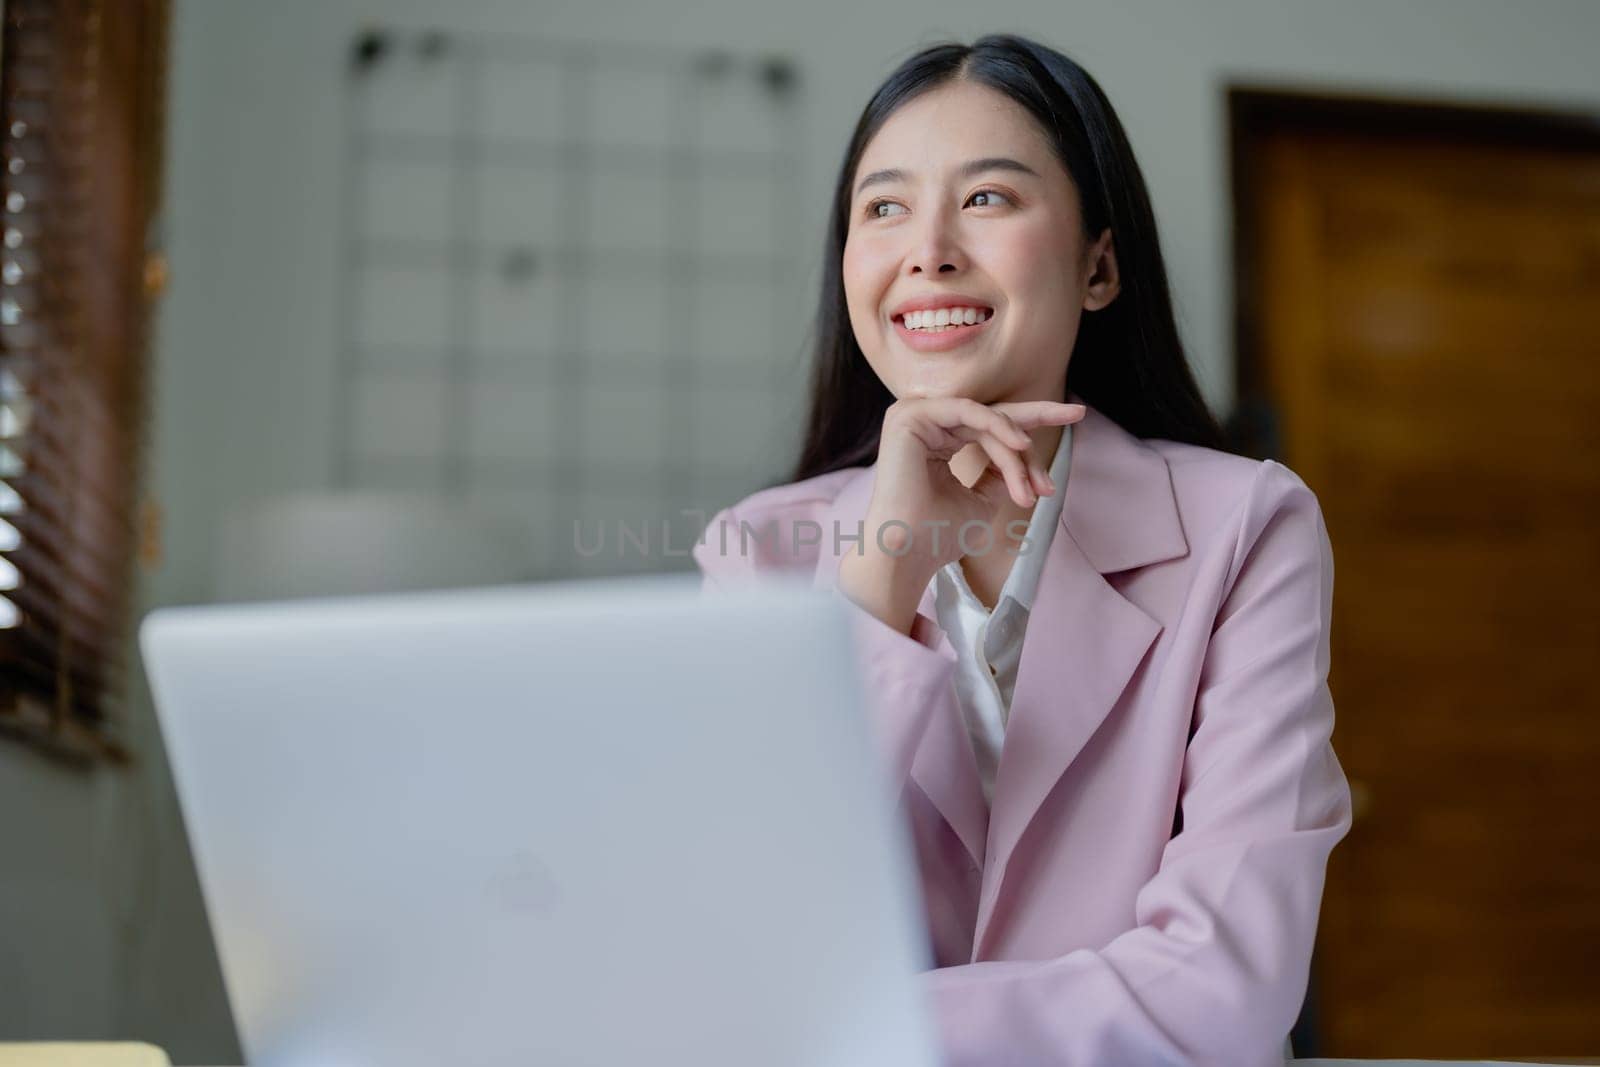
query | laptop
[597, 822]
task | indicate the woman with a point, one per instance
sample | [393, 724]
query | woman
[1103, 690]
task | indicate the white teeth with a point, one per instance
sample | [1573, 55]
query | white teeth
[934, 318]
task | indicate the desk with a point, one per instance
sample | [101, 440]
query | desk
[1442, 1063]
[1434, 1063]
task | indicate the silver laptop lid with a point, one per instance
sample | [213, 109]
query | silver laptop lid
[579, 823]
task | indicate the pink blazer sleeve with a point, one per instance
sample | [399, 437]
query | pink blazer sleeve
[1214, 971]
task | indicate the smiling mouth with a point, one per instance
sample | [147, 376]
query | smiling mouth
[927, 323]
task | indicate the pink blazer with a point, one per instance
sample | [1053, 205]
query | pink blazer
[1146, 888]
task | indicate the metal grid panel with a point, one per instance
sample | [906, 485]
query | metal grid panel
[570, 283]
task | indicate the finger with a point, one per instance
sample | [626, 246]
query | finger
[1038, 477]
[1008, 465]
[1025, 477]
[1028, 414]
[1000, 432]
[969, 415]
[944, 428]
[1012, 429]
[957, 412]
[1011, 466]
[1006, 429]
[1017, 440]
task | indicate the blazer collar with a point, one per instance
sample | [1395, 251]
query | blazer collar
[1082, 645]
[1119, 505]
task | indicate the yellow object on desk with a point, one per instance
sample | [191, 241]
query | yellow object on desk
[82, 1054]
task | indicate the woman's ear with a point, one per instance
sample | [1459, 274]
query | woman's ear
[1104, 280]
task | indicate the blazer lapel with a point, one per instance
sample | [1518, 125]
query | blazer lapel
[944, 767]
[1083, 640]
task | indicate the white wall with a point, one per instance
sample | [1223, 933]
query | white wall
[101, 931]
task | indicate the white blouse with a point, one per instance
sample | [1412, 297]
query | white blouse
[988, 645]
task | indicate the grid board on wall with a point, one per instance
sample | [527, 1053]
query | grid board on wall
[570, 285]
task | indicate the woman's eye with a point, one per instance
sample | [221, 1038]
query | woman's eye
[874, 213]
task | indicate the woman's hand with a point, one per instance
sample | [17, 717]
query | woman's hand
[917, 500]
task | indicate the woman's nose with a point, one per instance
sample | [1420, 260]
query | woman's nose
[937, 249]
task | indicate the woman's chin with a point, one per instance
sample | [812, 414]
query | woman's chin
[937, 378]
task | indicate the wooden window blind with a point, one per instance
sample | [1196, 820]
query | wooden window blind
[81, 99]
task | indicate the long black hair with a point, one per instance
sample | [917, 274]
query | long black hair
[1127, 362]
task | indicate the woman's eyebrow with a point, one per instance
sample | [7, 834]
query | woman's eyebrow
[969, 169]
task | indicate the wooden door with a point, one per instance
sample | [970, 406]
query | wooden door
[1419, 313]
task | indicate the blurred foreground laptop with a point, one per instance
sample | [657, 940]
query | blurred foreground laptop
[578, 823]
